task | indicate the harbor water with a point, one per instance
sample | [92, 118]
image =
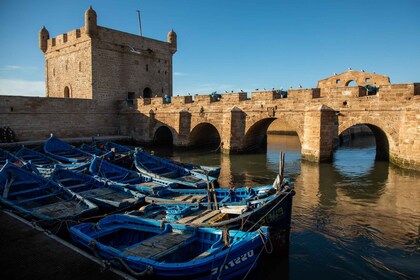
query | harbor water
[354, 218]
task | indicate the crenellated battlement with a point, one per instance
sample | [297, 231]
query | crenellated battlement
[386, 92]
[95, 62]
[70, 38]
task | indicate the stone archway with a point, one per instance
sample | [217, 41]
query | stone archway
[204, 135]
[163, 136]
[381, 140]
[147, 93]
[67, 92]
[256, 135]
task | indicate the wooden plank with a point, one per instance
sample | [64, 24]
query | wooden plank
[233, 209]
[206, 217]
[189, 219]
[76, 186]
[182, 197]
[61, 180]
[157, 247]
[196, 198]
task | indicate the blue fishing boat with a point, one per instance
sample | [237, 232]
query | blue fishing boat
[6, 157]
[38, 198]
[131, 179]
[171, 251]
[95, 151]
[36, 158]
[241, 208]
[159, 168]
[121, 156]
[104, 194]
[111, 146]
[46, 164]
[201, 171]
[64, 152]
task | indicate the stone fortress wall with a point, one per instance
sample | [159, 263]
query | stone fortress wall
[107, 82]
[87, 71]
[318, 115]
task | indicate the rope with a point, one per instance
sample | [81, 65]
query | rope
[262, 235]
[268, 212]
[147, 271]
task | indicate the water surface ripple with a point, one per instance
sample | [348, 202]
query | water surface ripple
[353, 218]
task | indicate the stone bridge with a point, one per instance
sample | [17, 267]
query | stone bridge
[318, 115]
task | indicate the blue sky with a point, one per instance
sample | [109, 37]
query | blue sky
[229, 45]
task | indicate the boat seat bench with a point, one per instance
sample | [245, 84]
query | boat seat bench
[161, 245]
[37, 198]
[28, 190]
[198, 219]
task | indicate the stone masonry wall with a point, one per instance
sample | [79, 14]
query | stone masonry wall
[34, 118]
[68, 63]
[118, 71]
[386, 113]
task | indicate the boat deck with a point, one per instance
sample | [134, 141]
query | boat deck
[106, 194]
[159, 246]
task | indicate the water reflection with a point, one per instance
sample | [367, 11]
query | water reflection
[353, 218]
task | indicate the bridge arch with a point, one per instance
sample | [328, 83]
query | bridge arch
[163, 136]
[383, 139]
[204, 135]
[256, 134]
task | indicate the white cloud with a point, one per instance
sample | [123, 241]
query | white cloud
[13, 67]
[22, 87]
[25, 68]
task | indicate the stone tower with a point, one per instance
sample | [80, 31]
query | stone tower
[107, 65]
[91, 24]
[44, 35]
[172, 40]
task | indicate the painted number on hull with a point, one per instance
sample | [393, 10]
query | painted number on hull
[233, 262]
[273, 216]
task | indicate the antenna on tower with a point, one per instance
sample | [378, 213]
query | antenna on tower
[138, 14]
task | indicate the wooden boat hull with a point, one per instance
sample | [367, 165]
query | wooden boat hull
[6, 157]
[130, 179]
[240, 210]
[64, 152]
[200, 171]
[46, 164]
[103, 194]
[170, 251]
[38, 198]
[159, 168]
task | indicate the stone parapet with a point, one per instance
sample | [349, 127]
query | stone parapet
[268, 95]
[181, 100]
[347, 92]
[233, 98]
[303, 94]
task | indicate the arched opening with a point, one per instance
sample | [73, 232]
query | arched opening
[351, 83]
[273, 135]
[359, 147]
[256, 136]
[147, 93]
[163, 136]
[204, 135]
[66, 92]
